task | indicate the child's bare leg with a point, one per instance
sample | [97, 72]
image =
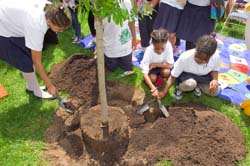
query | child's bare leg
[205, 88]
[165, 73]
[153, 78]
[172, 39]
[188, 85]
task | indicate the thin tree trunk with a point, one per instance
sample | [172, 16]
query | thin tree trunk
[101, 70]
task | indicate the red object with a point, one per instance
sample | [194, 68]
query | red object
[159, 81]
[240, 68]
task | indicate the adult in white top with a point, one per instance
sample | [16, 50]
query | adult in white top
[196, 69]
[157, 60]
[23, 25]
[119, 41]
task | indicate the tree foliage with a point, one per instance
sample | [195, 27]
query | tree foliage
[109, 9]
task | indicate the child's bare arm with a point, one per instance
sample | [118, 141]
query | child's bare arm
[169, 83]
[161, 65]
[37, 61]
[214, 83]
[133, 33]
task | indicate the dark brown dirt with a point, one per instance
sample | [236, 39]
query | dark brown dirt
[192, 135]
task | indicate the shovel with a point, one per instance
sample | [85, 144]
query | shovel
[62, 103]
[145, 106]
[163, 108]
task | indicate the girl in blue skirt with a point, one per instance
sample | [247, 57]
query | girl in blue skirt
[23, 25]
[195, 22]
[168, 17]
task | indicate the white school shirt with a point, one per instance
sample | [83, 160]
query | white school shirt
[186, 63]
[179, 4]
[116, 39]
[151, 57]
[24, 18]
[200, 2]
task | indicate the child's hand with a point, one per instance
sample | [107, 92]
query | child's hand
[213, 86]
[162, 94]
[155, 93]
[52, 90]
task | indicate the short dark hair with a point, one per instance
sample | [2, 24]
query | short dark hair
[159, 36]
[58, 14]
[207, 45]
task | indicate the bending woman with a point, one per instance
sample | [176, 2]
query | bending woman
[23, 25]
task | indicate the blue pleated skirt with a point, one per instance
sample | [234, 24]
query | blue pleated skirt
[167, 18]
[194, 22]
[14, 52]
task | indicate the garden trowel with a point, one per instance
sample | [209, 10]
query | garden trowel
[62, 103]
[163, 108]
[145, 106]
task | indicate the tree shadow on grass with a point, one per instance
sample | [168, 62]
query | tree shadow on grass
[26, 122]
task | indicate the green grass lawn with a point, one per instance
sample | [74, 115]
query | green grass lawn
[24, 119]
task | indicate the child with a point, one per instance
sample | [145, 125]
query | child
[196, 69]
[71, 4]
[158, 59]
[21, 40]
[91, 22]
[118, 44]
[168, 17]
[146, 24]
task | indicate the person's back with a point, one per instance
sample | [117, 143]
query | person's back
[118, 42]
[23, 19]
[23, 25]
[116, 38]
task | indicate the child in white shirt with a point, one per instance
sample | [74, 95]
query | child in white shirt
[119, 41]
[196, 69]
[158, 59]
[23, 25]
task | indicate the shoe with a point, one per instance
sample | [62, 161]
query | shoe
[92, 43]
[31, 91]
[197, 92]
[178, 94]
[76, 40]
[126, 73]
[44, 95]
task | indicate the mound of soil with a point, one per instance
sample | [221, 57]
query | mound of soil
[192, 134]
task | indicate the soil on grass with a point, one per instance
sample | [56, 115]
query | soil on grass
[192, 134]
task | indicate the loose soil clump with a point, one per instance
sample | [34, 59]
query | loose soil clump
[192, 135]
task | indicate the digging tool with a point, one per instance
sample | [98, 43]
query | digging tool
[62, 103]
[163, 108]
[145, 107]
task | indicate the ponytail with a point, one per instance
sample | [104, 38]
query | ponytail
[58, 14]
